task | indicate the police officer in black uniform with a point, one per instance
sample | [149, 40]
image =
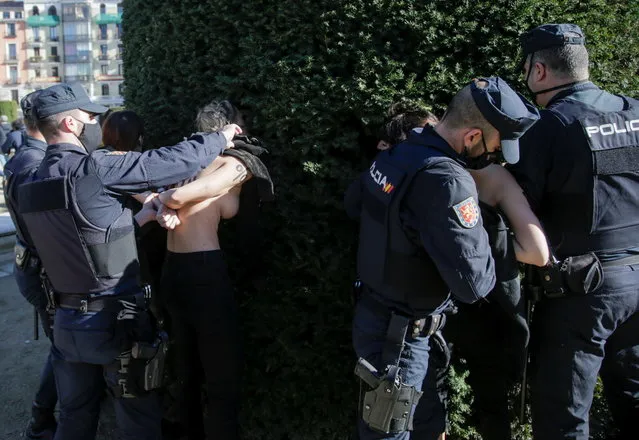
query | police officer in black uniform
[421, 244]
[78, 217]
[19, 169]
[580, 171]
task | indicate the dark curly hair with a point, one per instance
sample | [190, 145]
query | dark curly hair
[401, 118]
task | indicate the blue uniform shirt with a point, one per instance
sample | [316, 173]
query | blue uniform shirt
[440, 212]
[103, 179]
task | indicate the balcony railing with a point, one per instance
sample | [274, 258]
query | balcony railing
[77, 59]
[12, 81]
[54, 58]
[74, 17]
[102, 36]
[75, 78]
[109, 77]
[14, 35]
[77, 37]
[103, 57]
[45, 79]
[36, 60]
[54, 39]
[11, 59]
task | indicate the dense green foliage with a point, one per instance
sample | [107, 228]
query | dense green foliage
[317, 77]
[9, 109]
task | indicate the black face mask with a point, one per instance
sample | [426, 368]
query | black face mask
[90, 136]
[483, 160]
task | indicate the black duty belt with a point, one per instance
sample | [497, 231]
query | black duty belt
[87, 304]
[418, 326]
[625, 261]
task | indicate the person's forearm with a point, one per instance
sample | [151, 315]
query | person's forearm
[206, 187]
[533, 248]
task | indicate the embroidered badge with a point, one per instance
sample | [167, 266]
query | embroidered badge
[116, 153]
[467, 212]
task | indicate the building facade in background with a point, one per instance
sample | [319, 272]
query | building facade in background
[72, 41]
[13, 53]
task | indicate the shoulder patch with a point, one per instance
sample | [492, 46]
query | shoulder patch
[116, 153]
[467, 212]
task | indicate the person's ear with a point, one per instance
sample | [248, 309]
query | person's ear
[69, 124]
[383, 145]
[539, 72]
[472, 137]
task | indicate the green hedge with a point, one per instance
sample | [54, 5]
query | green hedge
[9, 109]
[317, 77]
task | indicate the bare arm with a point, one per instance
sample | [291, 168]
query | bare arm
[215, 181]
[500, 188]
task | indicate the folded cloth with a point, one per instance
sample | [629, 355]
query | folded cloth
[247, 149]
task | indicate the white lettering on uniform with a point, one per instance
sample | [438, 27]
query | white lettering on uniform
[609, 129]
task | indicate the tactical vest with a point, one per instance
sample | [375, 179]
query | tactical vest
[597, 208]
[80, 257]
[388, 260]
[20, 169]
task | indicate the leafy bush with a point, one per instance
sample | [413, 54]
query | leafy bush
[316, 78]
[9, 109]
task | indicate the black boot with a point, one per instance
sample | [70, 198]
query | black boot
[42, 425]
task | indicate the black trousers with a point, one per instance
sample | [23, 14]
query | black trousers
[205, 331]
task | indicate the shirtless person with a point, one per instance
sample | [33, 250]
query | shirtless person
[198, 291]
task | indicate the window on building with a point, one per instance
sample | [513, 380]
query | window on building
[102, 8]
[14, 95]
[103, 32]
[36, 52]
[35, 11]
[120, 8]
[104, 69]
[36, 34]
[120, 69]
[119, 30]
[103, 50]
[13, 74]
[37, 73]
[6, 14]
[13, 54]
[18, 14]
[120, 51]
[105, 90]
[121, 89]
[54, 72]
[54, 51]
[53, 11]
[11, 30]
[53, 33]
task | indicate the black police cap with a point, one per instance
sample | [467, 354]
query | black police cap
[63, 97]
[26, 104]
[551, 35]
[506, 110]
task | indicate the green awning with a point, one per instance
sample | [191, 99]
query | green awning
[43, 20]
[108, 18]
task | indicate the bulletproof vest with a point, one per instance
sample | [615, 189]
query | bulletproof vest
[18, 170]
[80, 257]
[597, 208]
[389, 261]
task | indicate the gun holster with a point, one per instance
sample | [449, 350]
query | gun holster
[23, 255]
[387, 406]
[154, 357]
[578, 275]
